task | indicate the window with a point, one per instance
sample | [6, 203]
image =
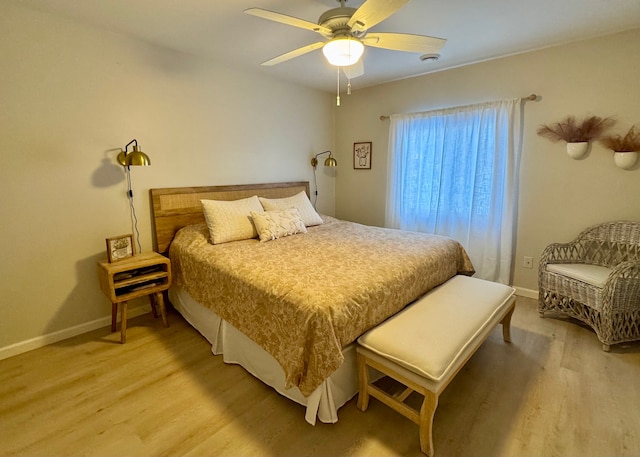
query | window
[454, 172]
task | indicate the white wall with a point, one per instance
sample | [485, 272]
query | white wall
[70, 97]
[559, 196]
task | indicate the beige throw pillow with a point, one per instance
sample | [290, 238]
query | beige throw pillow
[272, 225]
[299, 201]
[231, 220]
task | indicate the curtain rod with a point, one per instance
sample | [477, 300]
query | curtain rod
[532, 98]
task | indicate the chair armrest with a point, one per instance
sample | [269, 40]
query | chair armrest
[560, 253]
[629, 269]
[621, 292]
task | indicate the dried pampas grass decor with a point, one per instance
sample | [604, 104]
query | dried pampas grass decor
[572, 131]
[619, 143]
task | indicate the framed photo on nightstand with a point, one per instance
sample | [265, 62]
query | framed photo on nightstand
[119, 247]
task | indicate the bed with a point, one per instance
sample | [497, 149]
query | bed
[289, 310]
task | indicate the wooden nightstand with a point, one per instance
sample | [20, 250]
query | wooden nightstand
[148, 273]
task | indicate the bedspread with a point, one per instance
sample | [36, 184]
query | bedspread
[304, 297]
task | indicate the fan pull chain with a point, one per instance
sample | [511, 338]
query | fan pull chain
[338, 96]
[348, 86]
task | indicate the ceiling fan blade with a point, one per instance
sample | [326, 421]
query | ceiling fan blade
[404, 42]
[295, 53]
[289, 20]
[373, 12]
[355, 70]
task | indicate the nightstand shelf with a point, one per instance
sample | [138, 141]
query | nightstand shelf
[148, 273]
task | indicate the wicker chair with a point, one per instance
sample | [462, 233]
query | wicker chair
[596, 279]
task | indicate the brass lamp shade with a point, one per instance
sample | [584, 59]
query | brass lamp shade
[134, 158]
[328, 162]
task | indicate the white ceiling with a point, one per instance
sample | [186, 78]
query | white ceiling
[475, 30]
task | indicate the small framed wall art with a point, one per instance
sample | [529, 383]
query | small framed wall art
[119, 247]
[362, 155]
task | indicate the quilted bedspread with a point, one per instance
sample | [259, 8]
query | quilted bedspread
[304, 297]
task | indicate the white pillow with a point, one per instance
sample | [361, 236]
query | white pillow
[299, 201]
[272, 225]
[231, 220]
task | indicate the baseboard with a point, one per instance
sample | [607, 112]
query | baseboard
[50, 338]
[527, 293]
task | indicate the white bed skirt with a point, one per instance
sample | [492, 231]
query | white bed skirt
[237, 348]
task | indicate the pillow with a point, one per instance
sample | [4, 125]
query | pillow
[272, 225]
[299, 201]
[231, 220]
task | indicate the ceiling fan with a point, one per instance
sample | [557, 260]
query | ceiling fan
[347, 32]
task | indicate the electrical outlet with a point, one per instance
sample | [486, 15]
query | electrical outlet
[527, 262]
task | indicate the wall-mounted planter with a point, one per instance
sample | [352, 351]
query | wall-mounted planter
[625, 160]
[577, 150]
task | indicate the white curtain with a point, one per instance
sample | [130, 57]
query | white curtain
[454, 172]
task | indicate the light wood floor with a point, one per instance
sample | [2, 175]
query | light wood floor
[552, 392]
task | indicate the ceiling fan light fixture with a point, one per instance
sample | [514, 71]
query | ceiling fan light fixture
[343, 51]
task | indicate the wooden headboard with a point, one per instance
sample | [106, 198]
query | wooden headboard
[175, 207]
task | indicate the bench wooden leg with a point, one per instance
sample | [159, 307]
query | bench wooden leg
[427, 411]
[363, 378]
[506, 324]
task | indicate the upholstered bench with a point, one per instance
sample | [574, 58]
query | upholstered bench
[426, 344]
